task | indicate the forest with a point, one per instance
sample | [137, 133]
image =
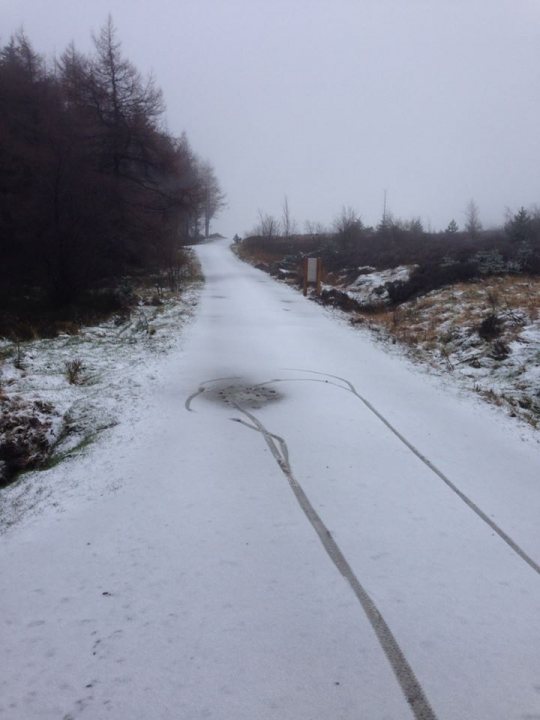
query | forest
[92, 187]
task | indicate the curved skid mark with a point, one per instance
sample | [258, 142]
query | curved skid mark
[280, 454]
[220, 379]
[470, 503]
[278, 447]
[283, 445]
[467, 500]
[192, 397]
[310, 380]
[403, 672]
[349, 387]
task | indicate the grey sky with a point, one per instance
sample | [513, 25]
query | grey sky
[331, 102]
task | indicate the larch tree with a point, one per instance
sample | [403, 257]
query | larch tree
[91, 185]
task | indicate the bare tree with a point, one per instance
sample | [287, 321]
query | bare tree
[347, 220]
[472, 219]
[268, 226]
[315, 228]
[288, 225]
[348, 226]
[126, 105]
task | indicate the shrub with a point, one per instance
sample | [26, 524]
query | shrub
[490, 327]
[74, 371]
[499, 350]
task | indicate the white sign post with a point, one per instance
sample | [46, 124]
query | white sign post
[312, 267]
[312, 274]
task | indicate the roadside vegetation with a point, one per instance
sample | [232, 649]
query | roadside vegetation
[97, 205]
[59, 393]
[92, 187]
[465, 301]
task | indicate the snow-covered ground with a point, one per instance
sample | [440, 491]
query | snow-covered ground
[111, 363]
[368, 287]
[445, 330]
[289, 523]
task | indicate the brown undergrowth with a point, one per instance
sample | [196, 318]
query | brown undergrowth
[487, 331]
[434, 318]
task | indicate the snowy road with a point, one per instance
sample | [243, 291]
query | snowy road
[296, 526]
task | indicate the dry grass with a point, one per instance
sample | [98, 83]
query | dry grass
[74, 371]
[436, 316]
[256, 255]
[448, 329]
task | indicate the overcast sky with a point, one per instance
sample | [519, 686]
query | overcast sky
[332, 102]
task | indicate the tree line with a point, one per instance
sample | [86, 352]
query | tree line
[393, 241]
[441, 258]
[91, 185]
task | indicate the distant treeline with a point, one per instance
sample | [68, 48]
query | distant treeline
[91, 185]
[441, 258]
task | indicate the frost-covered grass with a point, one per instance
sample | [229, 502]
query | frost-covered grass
[486, 333]
[58, 394]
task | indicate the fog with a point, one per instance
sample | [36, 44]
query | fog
[333, 103]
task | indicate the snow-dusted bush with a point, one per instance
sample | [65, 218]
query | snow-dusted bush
[74, 371]
[490, 327]
[27, 433]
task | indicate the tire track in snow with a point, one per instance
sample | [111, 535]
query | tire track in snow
[405, 675]
[349, 387]
[410, 686]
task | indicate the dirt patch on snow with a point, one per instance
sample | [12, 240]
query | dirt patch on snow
[243, 394]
